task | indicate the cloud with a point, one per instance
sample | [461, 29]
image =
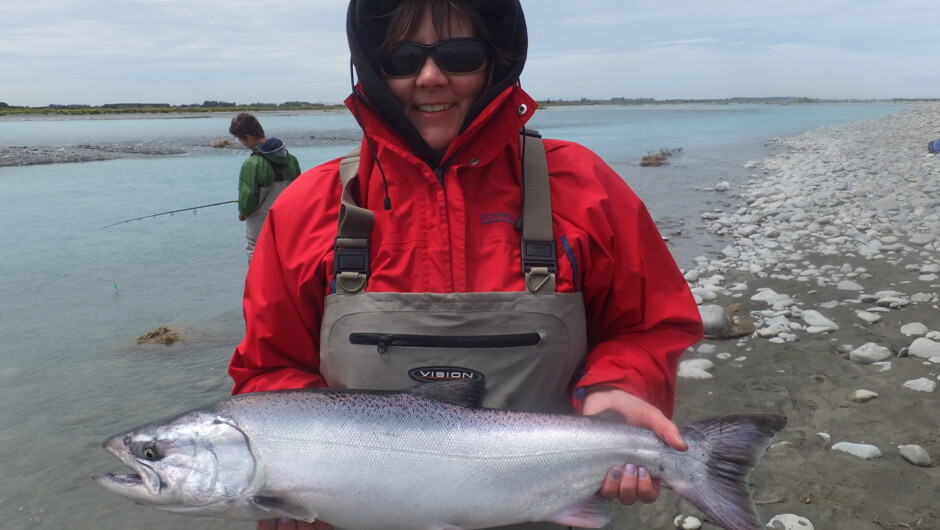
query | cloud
[99, 51]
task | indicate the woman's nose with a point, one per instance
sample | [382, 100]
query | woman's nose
[431, 73]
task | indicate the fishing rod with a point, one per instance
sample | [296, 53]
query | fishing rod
[194, 208]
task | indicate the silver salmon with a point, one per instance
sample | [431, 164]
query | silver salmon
[425, 458]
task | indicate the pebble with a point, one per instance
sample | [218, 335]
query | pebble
[687, 522]
[714, 319]
[921, 385]
[863, 451]
[696, 369]
[870, 353]
[707, 349]
[893, 302]
[818, 323]
[924, 348]
[915, 454]
[914, 329]
[789, 521]
[849, 285]
[863, 396]
[868, 316]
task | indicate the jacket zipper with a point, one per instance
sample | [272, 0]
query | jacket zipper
[382, 341]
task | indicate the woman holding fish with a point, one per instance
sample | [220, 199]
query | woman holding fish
[465, 246]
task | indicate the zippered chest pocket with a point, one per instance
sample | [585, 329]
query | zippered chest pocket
[526, 348]
[384, 341]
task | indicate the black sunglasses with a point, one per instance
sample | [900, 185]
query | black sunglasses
[464, 55]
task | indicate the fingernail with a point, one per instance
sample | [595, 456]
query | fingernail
[616, 473]
[643, 473]
[630, 470]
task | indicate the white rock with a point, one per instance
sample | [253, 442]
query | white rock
[818, 323]
[869, 353]
[924, 348]
[707, 349]
[915, 454]
[687, 522]
[921, 385]
[789, 521]
[863, 451]
[703, 293]
[775, 326]
[692, 276]
[894, 302]
[922, 240]
[849, 285]
[871, 318]
[696, 369]
[825, 436]
[724, 356]
[883, 366]
[863, 396]
[914, 329]
[714, 319]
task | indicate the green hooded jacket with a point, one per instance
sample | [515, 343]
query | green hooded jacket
[259, 172]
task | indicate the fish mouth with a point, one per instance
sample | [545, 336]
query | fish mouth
[144, 485]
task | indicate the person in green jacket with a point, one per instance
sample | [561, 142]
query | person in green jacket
[263, 177]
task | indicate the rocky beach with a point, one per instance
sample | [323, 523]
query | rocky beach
[824, 308]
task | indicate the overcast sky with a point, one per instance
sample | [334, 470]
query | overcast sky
[246, 51]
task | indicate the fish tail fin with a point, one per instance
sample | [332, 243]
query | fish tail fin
[734, 445]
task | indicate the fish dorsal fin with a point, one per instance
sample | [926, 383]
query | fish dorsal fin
[589, 513]
[463, 392]
[278, 508]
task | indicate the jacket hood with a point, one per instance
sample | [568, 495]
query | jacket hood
[366, 27]
[273, 149]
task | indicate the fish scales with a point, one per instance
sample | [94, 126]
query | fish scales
[425, 458]
[384, 440]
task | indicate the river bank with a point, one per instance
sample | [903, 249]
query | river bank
[832, 281]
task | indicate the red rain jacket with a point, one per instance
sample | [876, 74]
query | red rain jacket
[458, 234]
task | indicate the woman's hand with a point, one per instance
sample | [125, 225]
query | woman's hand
[291, 524]
[631, 483]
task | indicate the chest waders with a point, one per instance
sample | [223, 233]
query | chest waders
[526, 346]
[255, 219]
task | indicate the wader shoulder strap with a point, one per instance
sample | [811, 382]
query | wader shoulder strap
[539, 262]
[351, 251]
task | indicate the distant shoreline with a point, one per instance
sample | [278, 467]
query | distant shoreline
[208, 108]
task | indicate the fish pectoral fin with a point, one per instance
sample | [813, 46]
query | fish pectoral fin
[589, 513]
[279, 508]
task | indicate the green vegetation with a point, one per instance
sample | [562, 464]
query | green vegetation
[162, 108]
[226, 106]
[727, 101]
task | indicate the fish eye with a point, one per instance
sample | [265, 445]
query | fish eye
[150, 452]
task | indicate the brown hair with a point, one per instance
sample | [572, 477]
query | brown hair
[245, 125]
[406, 17]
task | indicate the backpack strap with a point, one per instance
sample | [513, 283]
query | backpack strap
[351, 249]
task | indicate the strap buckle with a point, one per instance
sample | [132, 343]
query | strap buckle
[351, 263]
[538, 254]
